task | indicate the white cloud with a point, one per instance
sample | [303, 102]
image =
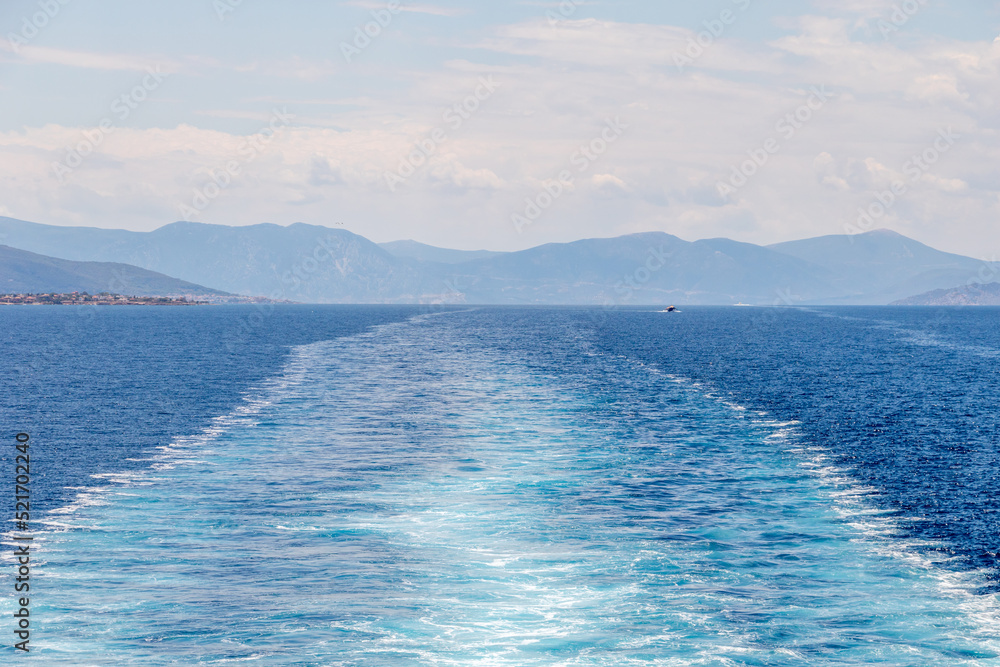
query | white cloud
[936, 87]
[609, 181]
[559, 85]
[433, 10]
[865, 8]
[294, 67]
[591, 42]
[461, 176]
[83, 59]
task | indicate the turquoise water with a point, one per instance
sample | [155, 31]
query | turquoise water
[444, 491]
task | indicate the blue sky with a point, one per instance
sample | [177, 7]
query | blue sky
[133, 115]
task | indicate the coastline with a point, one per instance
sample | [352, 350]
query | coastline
[84, 299]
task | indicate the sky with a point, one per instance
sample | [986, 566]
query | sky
[507, 125]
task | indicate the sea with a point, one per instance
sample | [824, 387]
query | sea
[420, 485]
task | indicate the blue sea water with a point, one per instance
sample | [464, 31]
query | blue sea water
[382, 486]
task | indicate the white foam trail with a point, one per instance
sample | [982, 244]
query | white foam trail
[881, 530]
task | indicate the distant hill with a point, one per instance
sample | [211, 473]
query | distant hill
[311, 263]
[429, 253]
[969, 295]
[880, 266]
[317, 264]
[650, 268]
[23, 272]
[305, 263]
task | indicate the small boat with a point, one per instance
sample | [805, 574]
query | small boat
[742, 304]
[669, 309]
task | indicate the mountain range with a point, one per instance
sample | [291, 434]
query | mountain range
[316, 264]
[23, 272]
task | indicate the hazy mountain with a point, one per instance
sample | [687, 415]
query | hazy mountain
[428, 253]
[300, 262]
[969, 295]
[317, 264]
[23, 272]
[882, 266]
[652, 267]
